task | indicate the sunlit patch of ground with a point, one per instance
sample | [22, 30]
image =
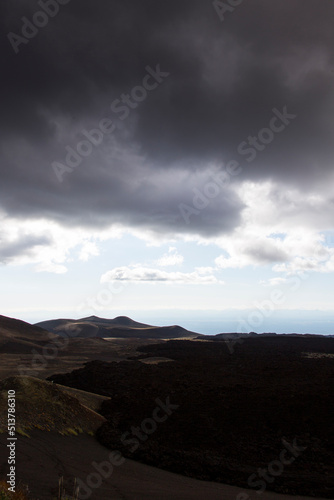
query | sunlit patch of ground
[317, 355]
[155, 361]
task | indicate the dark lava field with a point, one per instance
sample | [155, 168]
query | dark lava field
[259, 418]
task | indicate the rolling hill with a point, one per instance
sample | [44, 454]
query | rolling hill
[20, 337]
[45, 406]
[119, 327]
[27, 349]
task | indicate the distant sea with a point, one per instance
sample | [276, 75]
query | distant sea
[242, 321]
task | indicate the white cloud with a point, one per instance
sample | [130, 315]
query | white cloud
[286, 229]
[89, 249]
[247, 249]
[301, 265]
[51, 267]
[273, 282]
[46, 244]
[205, 270]
[150, 275]
[172, 258]
[281, 228]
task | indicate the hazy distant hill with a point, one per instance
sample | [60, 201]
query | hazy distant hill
[243, 336]
[123, 321]
[30, 350]
[119, 327]
[20, 337]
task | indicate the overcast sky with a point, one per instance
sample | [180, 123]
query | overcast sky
[166, 155]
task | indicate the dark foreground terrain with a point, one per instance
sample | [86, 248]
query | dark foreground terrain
[253, 411]
[222, 416]
[45, 457]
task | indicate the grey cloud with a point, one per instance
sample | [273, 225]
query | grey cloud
[146, 274]
[225, 79]
[135, 195]
[266, 254]
[23, 245]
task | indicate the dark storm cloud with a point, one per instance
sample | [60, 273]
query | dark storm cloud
[23, 245]
[225, 79]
